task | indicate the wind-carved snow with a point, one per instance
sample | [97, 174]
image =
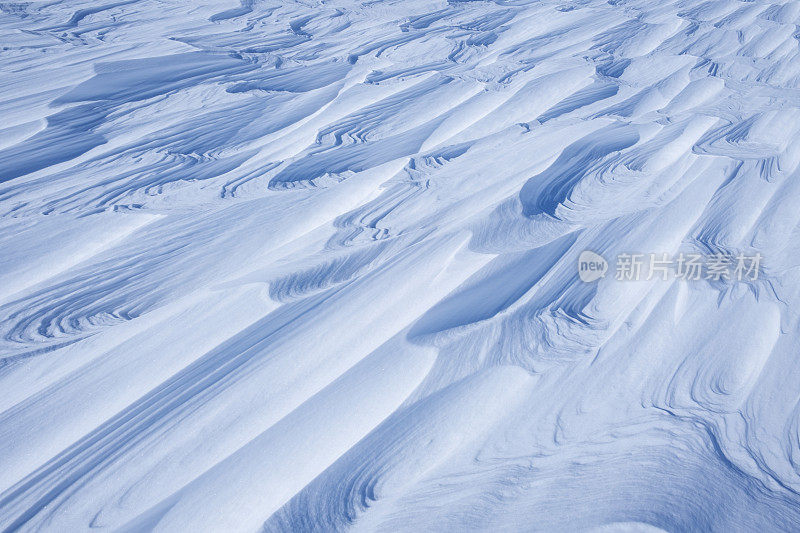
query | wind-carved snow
[311, 266]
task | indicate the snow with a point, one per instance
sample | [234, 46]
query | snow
[312, 266]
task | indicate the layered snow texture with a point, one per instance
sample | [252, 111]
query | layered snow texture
[311, 266]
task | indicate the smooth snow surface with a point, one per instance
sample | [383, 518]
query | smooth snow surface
[311, 265]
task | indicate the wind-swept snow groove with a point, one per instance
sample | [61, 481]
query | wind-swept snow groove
[311, 266]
